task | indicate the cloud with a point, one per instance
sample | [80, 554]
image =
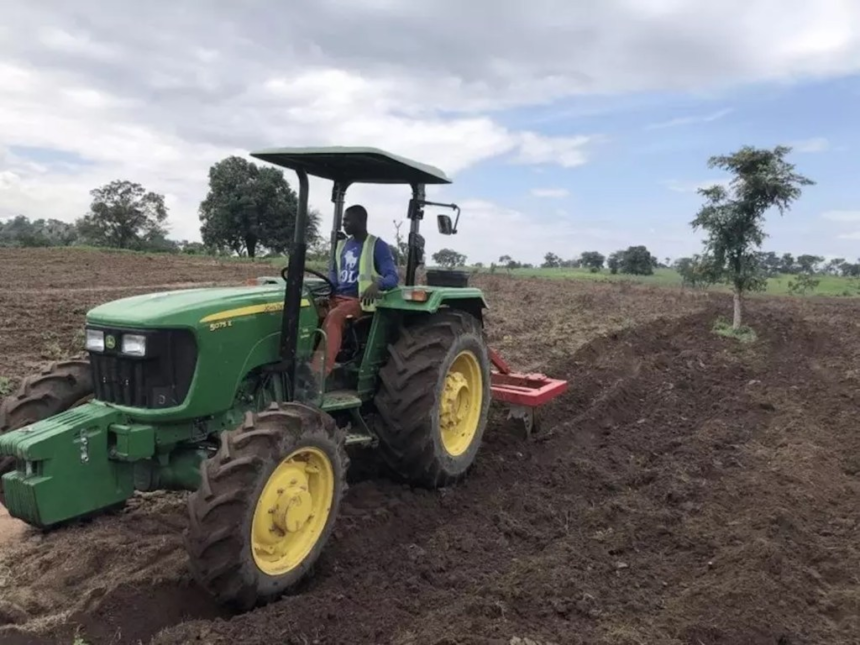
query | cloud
[537, 149]
[815, 144]
[850, 236]
[690, 120]
[550, 192]
[329, 107]
[841, 216]
[159, 94]
[77, 44]
[488, 230]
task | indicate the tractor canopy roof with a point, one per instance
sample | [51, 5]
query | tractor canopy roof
[354, 165]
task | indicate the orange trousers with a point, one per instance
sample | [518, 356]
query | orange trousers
[340, 307]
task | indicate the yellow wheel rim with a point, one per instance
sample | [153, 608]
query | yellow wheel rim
[292, 511]
[460, 409]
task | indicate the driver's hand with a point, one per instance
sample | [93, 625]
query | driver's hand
[372, 293]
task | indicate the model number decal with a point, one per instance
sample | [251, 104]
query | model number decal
[221, 324]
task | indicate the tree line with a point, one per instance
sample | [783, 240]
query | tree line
[695, 269]
[249, 211]
[635, 260]
[732, 219]
[122, 215]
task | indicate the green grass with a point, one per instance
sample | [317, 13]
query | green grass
[829, 285]
[743, 334]
[6, 386]
[665, 277]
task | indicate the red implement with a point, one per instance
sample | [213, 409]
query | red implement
[528, 390]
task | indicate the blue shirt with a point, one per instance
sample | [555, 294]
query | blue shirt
[347, 282]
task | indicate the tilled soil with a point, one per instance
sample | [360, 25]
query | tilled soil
[688, 489]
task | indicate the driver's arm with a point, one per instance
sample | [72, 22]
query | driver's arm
[332, 274]
[385, 265]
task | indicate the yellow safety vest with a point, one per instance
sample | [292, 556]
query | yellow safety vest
[366, 267]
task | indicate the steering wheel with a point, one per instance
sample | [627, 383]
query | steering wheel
[321, 276]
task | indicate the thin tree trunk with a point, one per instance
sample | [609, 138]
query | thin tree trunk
[736, 323]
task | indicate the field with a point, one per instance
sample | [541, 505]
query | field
[689, 489]
[828, 285]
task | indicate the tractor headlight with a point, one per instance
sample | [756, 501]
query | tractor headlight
[95, 340]
[134, 345]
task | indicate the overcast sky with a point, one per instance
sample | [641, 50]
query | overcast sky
[565, 126]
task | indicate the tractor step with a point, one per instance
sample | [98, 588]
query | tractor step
[341, 400]
[353, 439]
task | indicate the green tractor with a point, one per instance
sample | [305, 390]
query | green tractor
[210, 390]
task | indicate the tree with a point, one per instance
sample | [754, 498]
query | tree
[509, 263]
[834, 267]
[695, 272]
[850, 270]
[771, 263]
[249, 207]
[192, 248]
[636, 260]
[20, 231]
[614, 262]
[400, 249]
[802, 283]
[808, 263]
[592, 260]
[551, 261]
[733, 218]
[124, 215]
[787, 264]
[158, 243]
[449, 258]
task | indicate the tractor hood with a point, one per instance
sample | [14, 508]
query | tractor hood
[187, 307]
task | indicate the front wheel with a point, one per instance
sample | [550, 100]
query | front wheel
[433, 399]
[266, 505]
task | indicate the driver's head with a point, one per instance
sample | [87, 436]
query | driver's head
[355, 220]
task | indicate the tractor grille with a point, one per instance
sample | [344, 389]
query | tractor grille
[161, 379]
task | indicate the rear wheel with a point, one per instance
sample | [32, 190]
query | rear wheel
[60, 387]
[433, 398]
[266, 505]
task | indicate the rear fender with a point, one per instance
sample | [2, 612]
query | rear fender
[429, 300]
[390, 314]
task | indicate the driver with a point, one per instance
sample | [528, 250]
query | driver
[363, 265]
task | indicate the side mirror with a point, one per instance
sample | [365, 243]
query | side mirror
[445, 225]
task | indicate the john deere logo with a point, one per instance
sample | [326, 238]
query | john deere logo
[110, 341]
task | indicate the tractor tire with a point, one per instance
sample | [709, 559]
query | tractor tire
[60, 387]
[241, 546]
[433, 399]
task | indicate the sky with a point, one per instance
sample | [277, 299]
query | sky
[566, 127]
